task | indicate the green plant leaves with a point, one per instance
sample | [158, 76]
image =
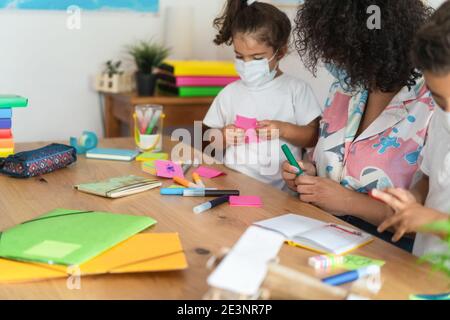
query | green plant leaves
[147, 55]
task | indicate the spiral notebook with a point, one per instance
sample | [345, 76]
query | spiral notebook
[119, 187]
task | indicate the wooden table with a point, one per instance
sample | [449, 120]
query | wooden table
[180, 112]
[201, 235]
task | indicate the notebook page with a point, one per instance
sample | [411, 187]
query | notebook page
[333, 238]
[245, 267]
[290, 224]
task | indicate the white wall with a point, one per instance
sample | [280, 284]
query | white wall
[53, 66]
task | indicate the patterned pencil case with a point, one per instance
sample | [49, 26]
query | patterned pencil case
[38, 162]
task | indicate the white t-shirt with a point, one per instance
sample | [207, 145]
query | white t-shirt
[436, 165]
[286, 99]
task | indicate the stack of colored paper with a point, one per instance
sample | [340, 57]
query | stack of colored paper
[195, 78]
[65, 242]
[7, 103]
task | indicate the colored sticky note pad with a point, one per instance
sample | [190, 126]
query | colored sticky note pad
[353, 262]
[208, 173]
[168, 169]
[246, 201]
[149, 156]
[149, 167]
[249, 125]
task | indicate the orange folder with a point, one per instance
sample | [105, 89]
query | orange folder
[144, 252]
[6, 143]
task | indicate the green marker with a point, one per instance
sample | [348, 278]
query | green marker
[153, 122]
[291, 159]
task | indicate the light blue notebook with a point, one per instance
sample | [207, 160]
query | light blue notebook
[112, 154]
[6, 113]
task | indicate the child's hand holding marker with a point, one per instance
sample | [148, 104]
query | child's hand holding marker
[290, 172]
[234, 136]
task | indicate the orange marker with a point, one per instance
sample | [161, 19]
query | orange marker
[198, 181]
[185, 183]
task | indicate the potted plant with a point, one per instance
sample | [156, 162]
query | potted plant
[147, 55]
[113, 79]
[440, 261]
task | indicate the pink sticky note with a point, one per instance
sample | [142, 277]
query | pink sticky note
[249, 125]
[245, 201]
[246, 123]
[168, 169]
[209, 173]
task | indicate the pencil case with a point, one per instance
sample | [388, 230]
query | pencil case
[38, 162]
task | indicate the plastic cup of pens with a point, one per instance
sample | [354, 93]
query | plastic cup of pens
[148, 127]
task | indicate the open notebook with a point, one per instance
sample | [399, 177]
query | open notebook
[316, 235]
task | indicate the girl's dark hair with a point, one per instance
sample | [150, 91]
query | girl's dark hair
[267, 23]
[432, 45]
[337, 31]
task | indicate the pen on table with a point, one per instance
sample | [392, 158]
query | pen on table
[210, 193]
[198, 181]
[291, 159]
[178, 191]
[211, 204]
[351, 276]
[185, 183]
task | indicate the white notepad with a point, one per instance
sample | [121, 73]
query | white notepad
[316, 235]
[244, 268]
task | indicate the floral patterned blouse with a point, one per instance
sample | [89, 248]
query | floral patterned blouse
[387, 153]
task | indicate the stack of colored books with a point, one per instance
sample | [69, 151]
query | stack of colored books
[7, 103]
[195, 78]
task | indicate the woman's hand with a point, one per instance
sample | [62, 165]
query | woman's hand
[290, 172]
[324, 193]
[410, 216]
[234, 136]
[270, 129]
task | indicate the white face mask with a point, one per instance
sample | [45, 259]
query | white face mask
[444, 118]
[256, 73]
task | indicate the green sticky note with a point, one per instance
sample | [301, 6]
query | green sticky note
[353, 262]
[69, 237]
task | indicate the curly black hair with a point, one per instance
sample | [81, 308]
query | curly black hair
[432, 44]
[336, 31]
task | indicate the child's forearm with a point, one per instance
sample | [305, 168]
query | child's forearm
[420, 189]
[305, 136]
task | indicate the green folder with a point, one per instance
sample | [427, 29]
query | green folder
[69, 237]
[12, 101]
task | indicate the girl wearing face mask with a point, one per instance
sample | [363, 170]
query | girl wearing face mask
[432, 55]
[285, 107]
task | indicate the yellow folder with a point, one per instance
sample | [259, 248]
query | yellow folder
[145, 252]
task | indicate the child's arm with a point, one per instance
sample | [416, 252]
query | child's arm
[420, 190]
[410, 216]
[305, 136]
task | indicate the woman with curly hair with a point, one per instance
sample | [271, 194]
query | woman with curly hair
[378, 111]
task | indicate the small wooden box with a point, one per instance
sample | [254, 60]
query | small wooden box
[118, 83]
